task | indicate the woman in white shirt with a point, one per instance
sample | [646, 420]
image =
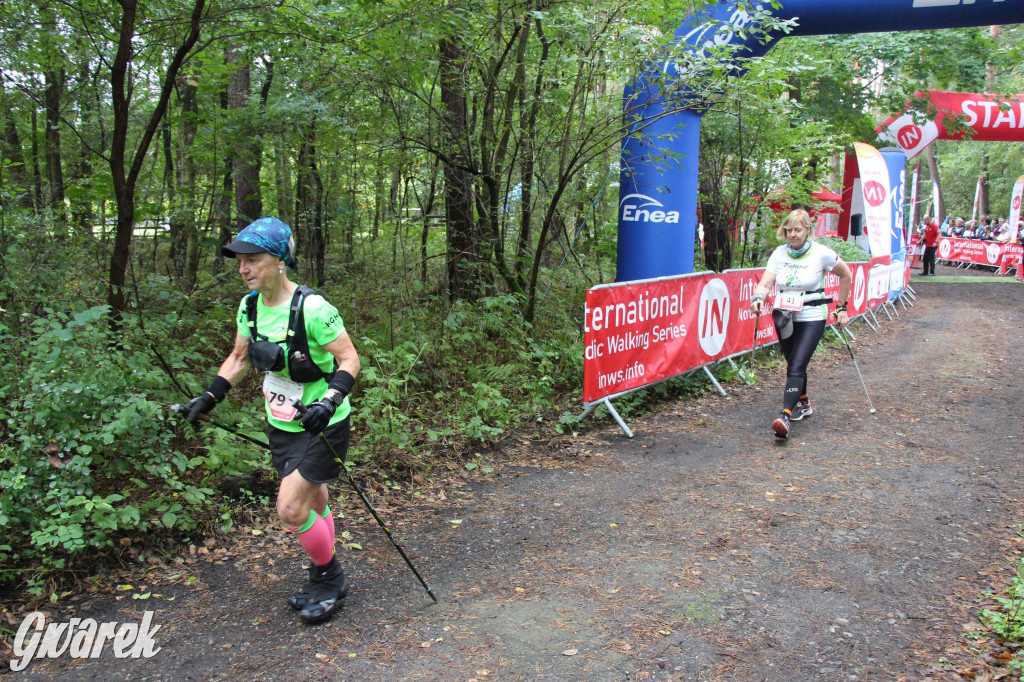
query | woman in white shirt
[800, 309]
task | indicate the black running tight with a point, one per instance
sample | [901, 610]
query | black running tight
[798, 349]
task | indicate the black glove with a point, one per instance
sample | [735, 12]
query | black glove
[201, 404]
[318, 415]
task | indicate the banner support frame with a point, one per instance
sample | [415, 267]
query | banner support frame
[714, 380]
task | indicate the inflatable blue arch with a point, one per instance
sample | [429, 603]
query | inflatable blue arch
[658, 176]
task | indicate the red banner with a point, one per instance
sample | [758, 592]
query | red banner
[639, 333]
[635, 333]
[980, 252]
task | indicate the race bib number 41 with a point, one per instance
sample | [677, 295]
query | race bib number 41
[790, 300]
[280, 394]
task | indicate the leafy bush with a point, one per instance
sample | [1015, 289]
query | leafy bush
[86, 455]
[849, 251]
[471, 377]
[1007, 620]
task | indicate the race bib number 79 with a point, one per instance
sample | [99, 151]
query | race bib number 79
[280, 394]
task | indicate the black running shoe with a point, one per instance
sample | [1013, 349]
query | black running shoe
[802, 410]
[781, 426]
[323, 593]
[299, 600]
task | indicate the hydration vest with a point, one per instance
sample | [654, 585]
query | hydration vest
[301, 367]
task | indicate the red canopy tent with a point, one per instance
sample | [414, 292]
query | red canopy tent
[823, 201]
[780, 202]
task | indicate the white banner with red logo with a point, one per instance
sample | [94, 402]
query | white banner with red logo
[977, 201]
[912, 220]
[992, 119]
[1015, 200]
[639, 333]
[874, 175]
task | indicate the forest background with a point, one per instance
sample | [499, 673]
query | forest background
[450, 171]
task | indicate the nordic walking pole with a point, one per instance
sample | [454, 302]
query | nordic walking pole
[753, 346]
[857, 367]
[362, 496]
[180, 409]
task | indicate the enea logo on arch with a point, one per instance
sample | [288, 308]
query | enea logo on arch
[642, 208]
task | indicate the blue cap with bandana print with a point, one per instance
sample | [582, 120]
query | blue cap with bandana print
[268, 235]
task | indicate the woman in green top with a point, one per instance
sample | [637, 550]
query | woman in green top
[264, 249]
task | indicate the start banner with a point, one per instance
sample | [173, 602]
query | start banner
[639, 333]
[986, 117]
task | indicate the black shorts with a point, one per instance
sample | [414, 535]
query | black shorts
[306, 452]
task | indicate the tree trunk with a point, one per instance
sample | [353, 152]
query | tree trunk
[123, 174]
[528, 115]
[717, 245]
[12, 157]
[308, 207]
[82, 214]
[54, 81]
[283, 184]
[223, 200]
[37, 177]
[378, 194]
[185, 205]
[247, 152]
[990, 82]
[463, 257]
[933, 172]
[170, 185]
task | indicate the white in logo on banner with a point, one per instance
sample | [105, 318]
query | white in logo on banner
[859, 289]
[878, 282]
[992, 253]
[642, 208]
[713, 316]
[945, 247]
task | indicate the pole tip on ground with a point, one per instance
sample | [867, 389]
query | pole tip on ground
[872, 410]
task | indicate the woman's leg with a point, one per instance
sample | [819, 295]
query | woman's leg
[804, 340]
[297, 503]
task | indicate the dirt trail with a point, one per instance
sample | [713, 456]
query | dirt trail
[700, 550]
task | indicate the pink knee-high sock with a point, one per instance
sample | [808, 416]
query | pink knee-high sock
[329, 518]
[317, 539]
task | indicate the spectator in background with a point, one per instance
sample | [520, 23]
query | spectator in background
[984, 231]
[1002, 232]
[931, 243]
[958, 228]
